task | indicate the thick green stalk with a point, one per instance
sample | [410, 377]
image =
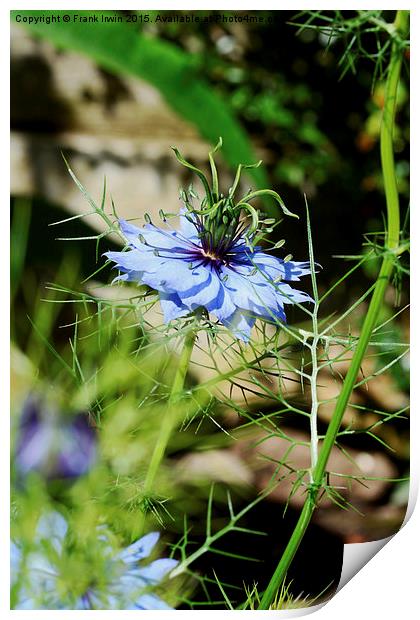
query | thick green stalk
[393, 216]
[169, 417]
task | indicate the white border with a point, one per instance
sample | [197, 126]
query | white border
[388, 585]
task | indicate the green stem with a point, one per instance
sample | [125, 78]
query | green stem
[170, 415]
[314, 358]
[314, 402]
[393, 215]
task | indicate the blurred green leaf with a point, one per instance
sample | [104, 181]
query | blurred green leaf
[121, 49]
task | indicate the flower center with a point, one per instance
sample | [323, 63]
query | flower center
[211, 255]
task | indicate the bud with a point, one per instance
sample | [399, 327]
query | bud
[222, 220]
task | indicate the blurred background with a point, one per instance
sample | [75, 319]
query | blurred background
[273, 92]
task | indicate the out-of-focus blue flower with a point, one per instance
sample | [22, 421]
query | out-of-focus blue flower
[213, 261]
[229, 278]
[53, 445]
[125, 584]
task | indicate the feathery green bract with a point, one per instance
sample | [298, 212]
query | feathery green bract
[364, 35]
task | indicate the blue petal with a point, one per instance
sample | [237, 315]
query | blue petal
[82, 603]
[170, 240]
[131, 583]
[35, 447]
[52, 527]
[292, 296]
[240, 324]
[172, 306]
[177, 276]
[128, 277]
[77, 443]
[255, 293]
[239, 288]
[211, 295]
[135, 260]
[222, 306]
[131, 233]
[187, 228]
[26, 604]
[15, 561]
[174, 268]
[161, 273]
[276, 267]
[157, 570]
[141, 266]
[252, 292]
[165, 239]
[40, 569]
[154, 237]
[140, 549]
[150, 601]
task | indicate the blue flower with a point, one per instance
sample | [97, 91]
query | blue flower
[213, 262]
[55, 446]
[39, 583]
[197, 267]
